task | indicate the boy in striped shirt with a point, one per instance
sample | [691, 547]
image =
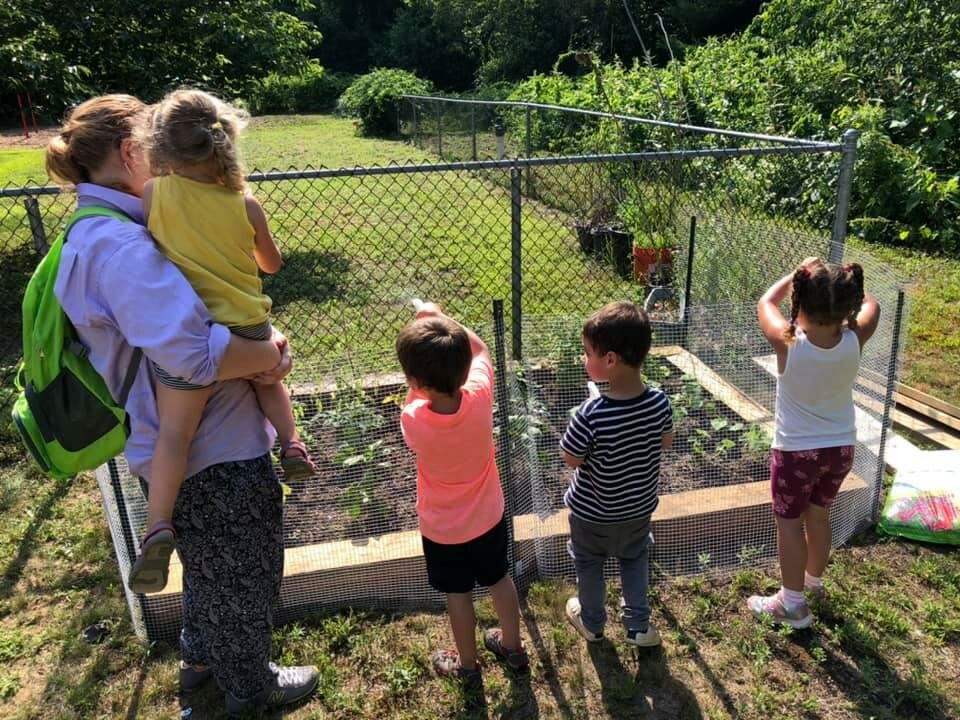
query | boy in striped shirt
[614, 443]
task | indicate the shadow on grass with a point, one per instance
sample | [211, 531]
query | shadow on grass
[312, 275]
[523, 701]
[650, 690]
[14, 568]
[719, 689]
[868, 680]
[16, 267]
[528, 615]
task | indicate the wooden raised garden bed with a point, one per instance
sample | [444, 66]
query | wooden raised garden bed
[335, 526]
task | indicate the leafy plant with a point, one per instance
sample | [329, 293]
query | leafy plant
[374, 98]
[358, 452]
[755, 440]
[724, 446]
[654, 372]
[313, 89]
[402, 676]
[749, 553]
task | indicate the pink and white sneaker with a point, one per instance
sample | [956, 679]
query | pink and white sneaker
[817, 593]
[772, 605]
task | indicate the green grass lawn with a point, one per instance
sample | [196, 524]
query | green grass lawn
[886, 644]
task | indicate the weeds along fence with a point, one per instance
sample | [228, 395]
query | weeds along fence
[524, 267]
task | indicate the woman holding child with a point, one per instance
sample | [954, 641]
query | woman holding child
[121, 293]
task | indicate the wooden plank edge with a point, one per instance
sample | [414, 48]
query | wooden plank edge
[903, 394]
[406, 544]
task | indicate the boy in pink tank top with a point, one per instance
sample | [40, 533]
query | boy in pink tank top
[447, 421]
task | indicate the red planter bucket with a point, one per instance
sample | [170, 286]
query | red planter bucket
[645, 261]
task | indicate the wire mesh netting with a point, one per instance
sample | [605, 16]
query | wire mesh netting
[554, 238]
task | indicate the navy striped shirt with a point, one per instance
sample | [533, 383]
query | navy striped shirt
[620, 441]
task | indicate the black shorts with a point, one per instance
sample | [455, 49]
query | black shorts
[457, 568]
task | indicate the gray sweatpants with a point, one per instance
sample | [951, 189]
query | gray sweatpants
[590, 545]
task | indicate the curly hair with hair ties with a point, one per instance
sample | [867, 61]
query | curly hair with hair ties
[194, 128]
[827, 293]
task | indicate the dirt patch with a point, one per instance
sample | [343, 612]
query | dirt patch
[13, 139]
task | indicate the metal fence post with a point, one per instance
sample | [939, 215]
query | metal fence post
[516, 268]
[36, 226]
[473, 130]
[848, 158]
[416, 124]
[439, 130]
[506, 442]
[688, 283]
[528, 151]
[888, 402]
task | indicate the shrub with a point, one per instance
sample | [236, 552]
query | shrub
[313, 90]
[374, 97]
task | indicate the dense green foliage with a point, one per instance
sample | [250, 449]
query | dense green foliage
[813, 68]
[65, 51]
[313, 89]
[456, 43]
[373, 98]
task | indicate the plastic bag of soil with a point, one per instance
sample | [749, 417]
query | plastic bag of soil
[924, 501]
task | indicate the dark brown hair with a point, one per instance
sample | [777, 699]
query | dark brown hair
[620, 327]
[92, 131]
[435, 351]
[192, 127]
[827, 293]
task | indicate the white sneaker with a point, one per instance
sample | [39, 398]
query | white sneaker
[573, 616]
[650, 638]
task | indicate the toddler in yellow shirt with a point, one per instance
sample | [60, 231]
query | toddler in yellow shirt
[205, 221]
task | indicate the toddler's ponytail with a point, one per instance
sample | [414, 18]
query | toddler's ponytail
[854, 272]
[800, 278]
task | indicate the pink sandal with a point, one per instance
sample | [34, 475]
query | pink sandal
[150, 570]
[295, 461]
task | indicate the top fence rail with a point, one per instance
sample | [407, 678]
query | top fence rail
[505, 164]
[699, 129]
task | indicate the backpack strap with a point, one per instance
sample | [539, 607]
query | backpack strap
[131, 374]
[130, 377]
[93, 211]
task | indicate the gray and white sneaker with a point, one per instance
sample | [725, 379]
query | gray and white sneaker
[289, 685]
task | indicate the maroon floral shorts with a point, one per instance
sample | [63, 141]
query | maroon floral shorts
[801, 477]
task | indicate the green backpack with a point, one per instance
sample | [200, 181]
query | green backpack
[65, 414]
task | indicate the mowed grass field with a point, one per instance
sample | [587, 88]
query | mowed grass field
[886, 644]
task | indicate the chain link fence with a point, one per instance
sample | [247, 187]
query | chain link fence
[522, 249]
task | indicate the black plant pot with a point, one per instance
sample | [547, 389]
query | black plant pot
[615, 246]
[584, 238]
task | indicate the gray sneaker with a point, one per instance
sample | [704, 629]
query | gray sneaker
[191, 678]
[289, 685]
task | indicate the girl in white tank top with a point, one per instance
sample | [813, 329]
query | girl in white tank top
[818, 356]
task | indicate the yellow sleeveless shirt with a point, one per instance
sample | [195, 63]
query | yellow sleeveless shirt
[203, 229]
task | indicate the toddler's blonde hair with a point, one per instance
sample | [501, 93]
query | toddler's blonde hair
[192, 127]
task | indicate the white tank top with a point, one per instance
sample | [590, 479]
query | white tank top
[815, 395]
